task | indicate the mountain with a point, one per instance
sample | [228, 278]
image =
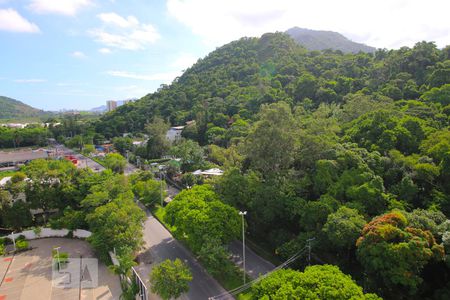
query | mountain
[232, 82]
[14, 109]
[322, 40]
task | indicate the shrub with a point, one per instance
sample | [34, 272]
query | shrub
[63, 257]
[21, 245]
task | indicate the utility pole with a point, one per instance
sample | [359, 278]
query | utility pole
[161, 189]
[243, 213]
[309, 249]
[13, 240]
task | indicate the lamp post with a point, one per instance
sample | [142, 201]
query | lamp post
[243, 213]
[13, 240]
[57, 257]
[161, 188]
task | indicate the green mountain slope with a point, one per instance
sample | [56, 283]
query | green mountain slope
[236, 79]
[322, 40]
[14, 109]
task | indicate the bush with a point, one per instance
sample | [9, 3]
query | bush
[37, 231]
[63, 257]
[21, 245]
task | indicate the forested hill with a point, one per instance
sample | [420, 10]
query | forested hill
[322, 40]
[240, 76]
[350, 150]
[13, 109]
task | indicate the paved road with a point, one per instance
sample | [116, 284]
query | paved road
[161, 245]
[254, 264]
[83, 161]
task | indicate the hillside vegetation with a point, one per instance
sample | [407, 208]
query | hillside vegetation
[352, 150]
[14, 109]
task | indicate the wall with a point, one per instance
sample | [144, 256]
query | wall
[48, 232]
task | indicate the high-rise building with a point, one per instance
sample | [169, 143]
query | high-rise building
[111, 105]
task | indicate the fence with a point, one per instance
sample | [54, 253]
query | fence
[142, 289]
[48, 232]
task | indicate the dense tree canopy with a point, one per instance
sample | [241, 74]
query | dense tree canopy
[316, 282]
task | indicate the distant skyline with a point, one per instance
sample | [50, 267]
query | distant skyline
[77, 54]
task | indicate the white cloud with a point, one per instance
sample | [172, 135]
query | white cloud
[60, 7]
[166, 77]
[78, 54]
[384, 23]
[11, 20]
[104, 50]
[184, 61]
[124, 33]
[33, 80]
[115, 19]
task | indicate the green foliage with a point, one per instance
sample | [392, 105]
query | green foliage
[17, 216]
[170, 279]
[438, 95]
[344, 227]
[270, 144]
[150, 191]
[198, 216]
[190, 153]
[117, 224]
[115, 162]
[395, 254]
[60, 258]
[22, 245]
[316, 282]
[157, 144]
[28, 136]
[123, 144]
[14, 109]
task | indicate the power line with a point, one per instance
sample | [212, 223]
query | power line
[244, 287]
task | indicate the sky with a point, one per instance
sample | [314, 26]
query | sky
[76, 54]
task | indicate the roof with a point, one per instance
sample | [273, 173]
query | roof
[177, 128]
[4, 180]
[20, 156]
[211, 172]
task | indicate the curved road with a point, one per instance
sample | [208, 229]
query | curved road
[161, 245]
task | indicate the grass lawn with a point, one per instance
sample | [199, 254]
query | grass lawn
[97, 160]
[7, 173]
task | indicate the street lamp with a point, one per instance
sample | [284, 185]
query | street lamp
[161, 188]
[243, 213]
[13, 240]
[57, 257]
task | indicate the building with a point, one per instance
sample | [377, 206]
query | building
[14, 158]
[174, 133]
[111, 105]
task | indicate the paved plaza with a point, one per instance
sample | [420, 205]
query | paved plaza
[28, 275]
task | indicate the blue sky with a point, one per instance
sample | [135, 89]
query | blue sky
[59, 54]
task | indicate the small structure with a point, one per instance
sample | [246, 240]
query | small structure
[208, 173]
[174, 133]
